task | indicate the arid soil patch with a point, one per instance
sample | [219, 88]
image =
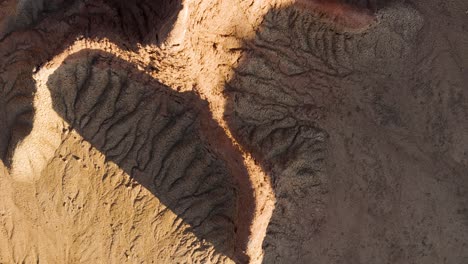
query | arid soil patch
[283, 131]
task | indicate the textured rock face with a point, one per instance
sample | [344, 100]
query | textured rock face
[233, 131]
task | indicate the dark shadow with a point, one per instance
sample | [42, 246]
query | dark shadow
[293, 74]
[19, 60]
[17, 112]
[138, 22]
[32, 13]
[274, 105]
[165, 140]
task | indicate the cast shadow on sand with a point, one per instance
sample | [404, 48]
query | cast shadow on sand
[166, 140]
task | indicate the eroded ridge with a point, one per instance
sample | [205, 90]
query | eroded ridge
[274, 104]
[153, 134]
[343, 15]
[294, 75]
[22, 55]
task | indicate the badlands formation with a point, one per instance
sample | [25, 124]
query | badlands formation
[234, 131]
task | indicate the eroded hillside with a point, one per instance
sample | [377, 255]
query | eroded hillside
[283, 131]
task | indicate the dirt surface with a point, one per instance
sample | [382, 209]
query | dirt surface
[283, 131]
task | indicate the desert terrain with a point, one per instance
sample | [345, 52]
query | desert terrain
[234, 131]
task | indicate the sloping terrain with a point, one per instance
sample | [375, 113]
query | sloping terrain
[183, 131]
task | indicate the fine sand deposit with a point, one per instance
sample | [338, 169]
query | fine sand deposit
[234, 131]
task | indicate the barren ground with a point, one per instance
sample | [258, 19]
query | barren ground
[282, 131]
